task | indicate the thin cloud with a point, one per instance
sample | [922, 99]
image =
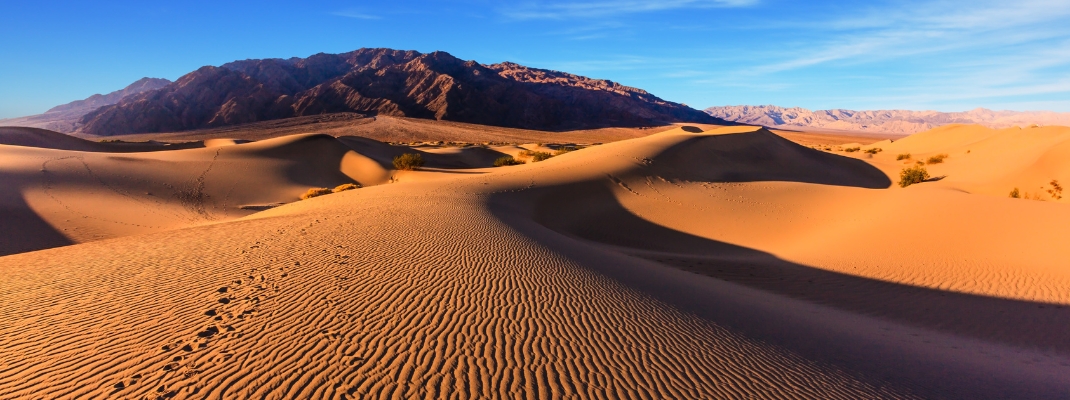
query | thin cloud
[356, 15]
[929, 28]
[560, 11]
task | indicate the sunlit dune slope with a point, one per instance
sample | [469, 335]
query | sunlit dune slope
[988, 161]
[687, 264]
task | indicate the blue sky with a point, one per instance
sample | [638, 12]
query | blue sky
[939, 55]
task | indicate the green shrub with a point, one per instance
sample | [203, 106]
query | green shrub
[901, 157]
[852, 149]
[507, 160]
[408, 161]
[314, 192]
[1015, 194]
[912, 175]
[345, 186]
[939, 158]
[874, 150]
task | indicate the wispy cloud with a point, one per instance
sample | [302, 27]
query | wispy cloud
[355, 14]
[927, 28]
[597, 9]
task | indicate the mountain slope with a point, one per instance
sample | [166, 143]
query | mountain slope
[386, 82]
[883, 121]
[64, 118]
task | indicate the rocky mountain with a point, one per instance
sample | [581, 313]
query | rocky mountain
[882, 121]
[386, 82]
[64, 118]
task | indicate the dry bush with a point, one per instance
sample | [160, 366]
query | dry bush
[1015, 194]
[408, 161]
[912, 175]
[565, 149]
[507, 160]
[901, 157]
[874, 150]
[540, 155]
[939, 158]
[345, 186]
[535, 156]
[1056, 190]
[852, 149]
[314, 192]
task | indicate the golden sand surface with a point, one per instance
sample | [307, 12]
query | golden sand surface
[695, 262]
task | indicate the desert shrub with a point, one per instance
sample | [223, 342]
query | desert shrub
[345, 186]
[1015, 194]
[535, 156]
[540, 155]
[507, 160]
[939, 158]
[110, 141]
[901, 157]
[874, 150]
[852, 149]
[314, 192]
[912, 175]
[408, 161]
[1034, 196]
[1056, 190]
[564, 150]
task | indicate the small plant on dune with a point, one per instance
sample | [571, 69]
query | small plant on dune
[345, 186]
[315, 192]
[912, 175]
[1015, 194]
[939, 158]
[852, 149]
[565, 149]
[408, 161]
[874, 150]
[1056, 190]
[110, 141]
[507, 160]
[901, 157]
[535, 156]
[1034, 196]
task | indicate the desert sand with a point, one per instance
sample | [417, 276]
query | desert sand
[696, 262]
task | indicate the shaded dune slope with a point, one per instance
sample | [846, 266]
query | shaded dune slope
[556, 279]
[77, 195]
[69, 191]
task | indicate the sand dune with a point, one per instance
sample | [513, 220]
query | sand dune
[729, 263]
[76, 191]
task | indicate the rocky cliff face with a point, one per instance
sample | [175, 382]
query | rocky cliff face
[386, 82]
[64, 118]
[882, 121]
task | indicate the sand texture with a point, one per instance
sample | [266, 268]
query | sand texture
[725, 263]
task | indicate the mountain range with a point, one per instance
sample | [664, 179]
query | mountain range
[65, 118]
[376, 82]
[882, 121]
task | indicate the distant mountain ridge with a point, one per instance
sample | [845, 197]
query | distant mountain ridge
[882, 121]
[385, 82]
[64, 118]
